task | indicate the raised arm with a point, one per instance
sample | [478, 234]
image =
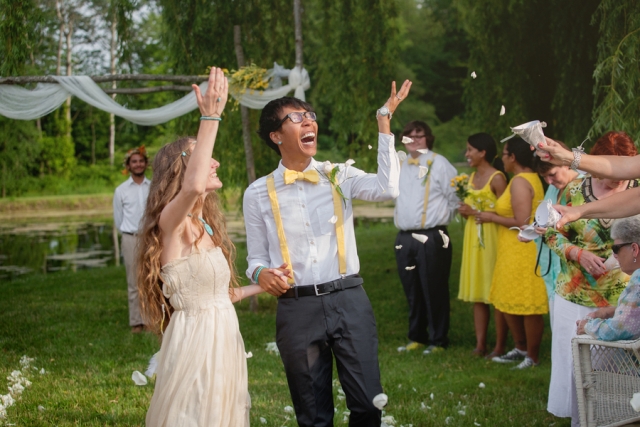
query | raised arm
[620, 205]
[194, 185]
[613, 167]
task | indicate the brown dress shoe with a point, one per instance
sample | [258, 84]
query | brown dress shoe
[137, 329]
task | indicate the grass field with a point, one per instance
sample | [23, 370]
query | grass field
[75, 326]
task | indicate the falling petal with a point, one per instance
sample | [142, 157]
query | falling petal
[481, 385]
[410, 267]
[431, 396]
[249, 355]
[445, 239]
[419, 237]
[263, 420]
[635, 402]
[422, 171]
[138, 378]
[476, 424]
[349, 162]
[402, 156]
[473, 74]
[153, 365]
[423, 150]
[370, 147]
[406, 140]
[502, 110]
[399, 247]
[288, 409]
[380, 401]
[333, 219]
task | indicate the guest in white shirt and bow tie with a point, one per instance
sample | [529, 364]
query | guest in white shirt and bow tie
[129, 201]
[424, 208]
[302, 249]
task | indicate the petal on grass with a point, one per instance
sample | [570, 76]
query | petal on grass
[138, 378]
[249, 355]
[40, 408]
[419, 237]
[481, 385]
[288, 409]
[401, 349]
[263, 420]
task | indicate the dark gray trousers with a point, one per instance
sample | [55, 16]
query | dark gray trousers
[427, 285]
[311, 330]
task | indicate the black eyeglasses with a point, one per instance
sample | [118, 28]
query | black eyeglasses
[298, 117]
[616, 248]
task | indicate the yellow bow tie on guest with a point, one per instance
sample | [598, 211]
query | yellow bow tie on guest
[291, 176]
[412, 161]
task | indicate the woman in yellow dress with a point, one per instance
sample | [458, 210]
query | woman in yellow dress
[516, 291]
[486, 184]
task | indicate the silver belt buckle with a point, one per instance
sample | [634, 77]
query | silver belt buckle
[315, 288]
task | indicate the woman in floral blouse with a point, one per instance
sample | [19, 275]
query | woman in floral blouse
[623, 321]
[589, 278]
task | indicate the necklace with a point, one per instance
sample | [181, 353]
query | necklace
[207, 227]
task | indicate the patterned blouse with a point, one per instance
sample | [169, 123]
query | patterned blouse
[574, 283]
[625, 323]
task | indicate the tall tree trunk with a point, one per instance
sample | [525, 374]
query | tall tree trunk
[69, 72]
[246, 135]
[297, 19]
[60, 38]
[112, 117]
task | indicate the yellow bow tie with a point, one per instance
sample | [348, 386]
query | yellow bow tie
[412, 161]
[291, 176]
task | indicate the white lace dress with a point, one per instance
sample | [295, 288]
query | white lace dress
[202, 370]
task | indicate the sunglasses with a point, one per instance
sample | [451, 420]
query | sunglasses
[616, 248]
[298, 117]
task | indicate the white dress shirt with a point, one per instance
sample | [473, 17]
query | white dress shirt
[129, 202]
[442, 203]
[306, 211]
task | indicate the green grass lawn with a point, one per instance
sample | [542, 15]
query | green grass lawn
[76, 326]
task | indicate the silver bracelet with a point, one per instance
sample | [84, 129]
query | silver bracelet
[577, 156]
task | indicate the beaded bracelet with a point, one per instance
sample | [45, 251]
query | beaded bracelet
[579, 255]
[218, 119]
[257, 273]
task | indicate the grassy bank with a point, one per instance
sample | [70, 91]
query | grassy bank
[75, 325]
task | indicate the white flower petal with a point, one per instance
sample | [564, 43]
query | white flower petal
[410, 267]
[406, 140]
[401, 349]
[502, 110]
[423, 150]
[473, 74]
[476, 424]
[402, 156]
[288, 409]
[42, 371]
[481, 385]
[345, 419]
[333, 219]
[448, 420]
[462, 412]
[389, 420]
[370, 147]
[248, 355]
[327, 166]
[414, 389]
[263, 420]
[431, 396]
[138, 378]
[349, 162]
[340, 397]
[40, 408]
[635, 402]
[380, 401]
[419, 237]
[272, 348]
[399, 247]
[445, 239]
[422, 171]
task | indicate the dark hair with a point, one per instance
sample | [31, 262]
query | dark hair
[270, 118]
[543, 167]
[522, 150]
[420, 125]
[614, 144]
[485, 142]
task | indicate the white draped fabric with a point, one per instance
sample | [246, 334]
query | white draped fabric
[22, 104]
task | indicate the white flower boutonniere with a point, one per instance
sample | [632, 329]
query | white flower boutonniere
[330, 172]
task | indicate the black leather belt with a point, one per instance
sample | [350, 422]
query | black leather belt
[324, 288]
[130, 234]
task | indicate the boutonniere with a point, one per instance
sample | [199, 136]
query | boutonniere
[330, 173]
[425, 171]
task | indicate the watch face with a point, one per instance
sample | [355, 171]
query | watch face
[384, 111]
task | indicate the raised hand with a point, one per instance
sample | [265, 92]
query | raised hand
[396, 98]
[212, 103]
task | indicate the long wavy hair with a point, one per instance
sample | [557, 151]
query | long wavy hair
[169, 167]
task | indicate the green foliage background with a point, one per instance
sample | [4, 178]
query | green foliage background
[571, 63]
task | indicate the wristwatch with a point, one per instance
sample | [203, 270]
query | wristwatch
[384, 111]
[577, 156]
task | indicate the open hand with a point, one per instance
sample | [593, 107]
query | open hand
[396, 98]
[212, 103]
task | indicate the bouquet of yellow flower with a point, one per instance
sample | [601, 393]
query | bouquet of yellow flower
[480, 204]
[250, 77]
[461, 185]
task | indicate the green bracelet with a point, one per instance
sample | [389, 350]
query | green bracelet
[257, 273]
[218, 119]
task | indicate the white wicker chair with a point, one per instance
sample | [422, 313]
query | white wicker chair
[607, 375]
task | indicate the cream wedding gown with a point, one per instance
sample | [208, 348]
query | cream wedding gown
[202, 370]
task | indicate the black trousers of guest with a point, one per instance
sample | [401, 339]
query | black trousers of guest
[311, 330]
[427, 285]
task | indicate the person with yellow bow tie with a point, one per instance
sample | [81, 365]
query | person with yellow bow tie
[424, 208]
[302, 249]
